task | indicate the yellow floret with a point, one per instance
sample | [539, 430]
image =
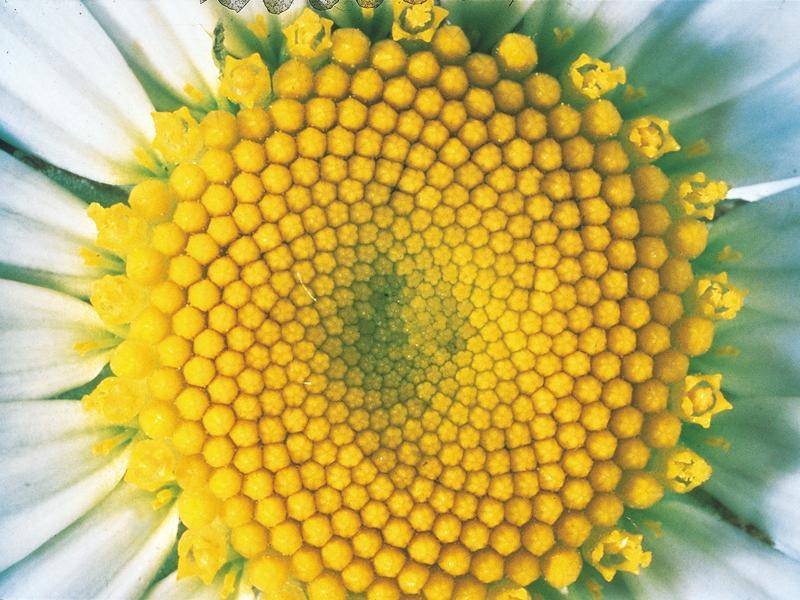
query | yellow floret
[309, 36]
[649, 138]
[151, 199]
[417, 21]
[245, 81]
[350, 48]
[450, 45]
[293, 79]
[516, 55]
[593, 78]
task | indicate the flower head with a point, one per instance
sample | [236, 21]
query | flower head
[421, 310]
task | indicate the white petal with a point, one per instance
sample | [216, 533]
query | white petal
[169, 41]
[691, 56]
[766, 359]
[136, 576]
[765, 233]
[43, 256]
[38, 332]
[701, 556]
[50, 477]
[113, 552]
[753, 137]
[42, 229]
[192, 588]
[757, 191]
[188, 588]
[66, 93]
[29, 194]
[31, 305]
[593, 26]
[758, 478]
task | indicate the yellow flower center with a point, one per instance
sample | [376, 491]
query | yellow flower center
[417, 326]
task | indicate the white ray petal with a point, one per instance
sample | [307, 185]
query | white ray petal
[758, 477]
[38, 332]
[765, 234]
[192, 588]
[42, 229]
[170, 41]
[113, 552]
[766, 355]
[26, 304]
[188, 588]
[753, 137]
[31, 195]
[691, 56]
[136, 576]
[564, 29]
[50, 477]
[701, 556]
[27, 245]
[758, 191]
[66, 93]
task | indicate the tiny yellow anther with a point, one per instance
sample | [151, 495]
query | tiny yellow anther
[702, 399]
[655, 527]
[562, 36]
[617, 550]
[258, 27]
[84, 348]
[106, 446]
[727, 350]
[309, 36]
[146, 160]
[194, 93]
[699, 148]
[729, 254]
[633, 93]
[228, 583]
[718, 442]
[91, 258]
[162, 498]
[417, 21]
[593, 78]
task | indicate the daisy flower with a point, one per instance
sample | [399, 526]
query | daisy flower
[412, 299]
